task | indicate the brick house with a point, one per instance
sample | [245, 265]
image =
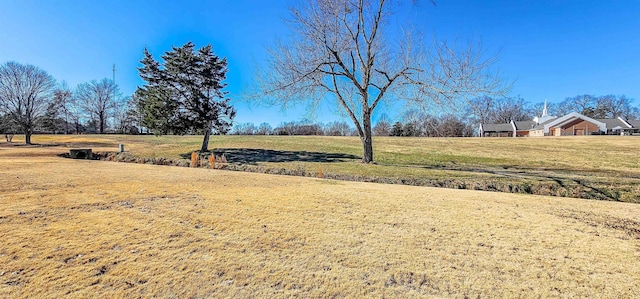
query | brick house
[572, 124]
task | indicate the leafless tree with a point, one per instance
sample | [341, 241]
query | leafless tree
[25, 92]
[62, 97]
[344, 50]
[75, 114]
[584, 104]
[244, 129]
[482, 108]
[124, 118]
[452, 126]
[383, 126]
[96, 98]
[536, 109]
[611, 106]
[508, 109]
[337, 128]
[486, 109]
[264, 129]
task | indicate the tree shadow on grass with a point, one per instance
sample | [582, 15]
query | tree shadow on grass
[254, 156]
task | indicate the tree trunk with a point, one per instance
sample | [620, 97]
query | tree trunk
[101, 116]
[367, 141]
[27, 136]
[205, 142]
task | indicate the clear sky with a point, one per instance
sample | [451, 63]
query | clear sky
[553, 49]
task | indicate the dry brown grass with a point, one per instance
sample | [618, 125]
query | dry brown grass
[194, 159]
[592, 167]
[212, 161]
[73, 228]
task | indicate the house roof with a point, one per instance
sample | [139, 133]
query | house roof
[540, 126]
[603, 124]
[497, 127]
[613, 123]
[525, 125]
[560, 121]
[635, 123]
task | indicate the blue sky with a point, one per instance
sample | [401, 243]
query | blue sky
[552, 49]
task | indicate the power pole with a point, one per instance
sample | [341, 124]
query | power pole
[115, 94]
[114, 81]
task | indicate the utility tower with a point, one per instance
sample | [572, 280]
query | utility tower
[114, 81]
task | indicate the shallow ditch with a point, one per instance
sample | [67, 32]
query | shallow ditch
[536, 183]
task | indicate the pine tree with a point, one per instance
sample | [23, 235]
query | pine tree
[397, 130]
[190, 86]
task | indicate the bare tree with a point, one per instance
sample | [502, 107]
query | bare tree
[96, 98]
[337, 128]
[383, 127]
[244, 129]
[124, 118]
[508, 109]
[452, 126]
[482, 108]
[536, 109]
[62, 100]
[500, 110]
[611, 106]
[75, 114]
[25, 92]
[344, 49]
[264, 129]
[584, 104]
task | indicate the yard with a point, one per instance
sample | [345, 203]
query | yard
[591, 167]
[77, 228]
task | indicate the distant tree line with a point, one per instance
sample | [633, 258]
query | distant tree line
[446, 126]
[183, 94]
[337, 128]
[414, 123]
[32, 102]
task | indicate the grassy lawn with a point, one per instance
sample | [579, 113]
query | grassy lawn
[77, 228]
[592, 167]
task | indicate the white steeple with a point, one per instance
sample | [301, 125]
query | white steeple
[545, 115]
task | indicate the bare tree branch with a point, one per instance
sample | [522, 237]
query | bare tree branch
[339, 48]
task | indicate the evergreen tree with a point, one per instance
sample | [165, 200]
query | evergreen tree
[396, 130]
[410, 130]
[157, 111]
[190, 86]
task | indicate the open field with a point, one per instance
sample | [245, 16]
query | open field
[76, 228]
[593, 167]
